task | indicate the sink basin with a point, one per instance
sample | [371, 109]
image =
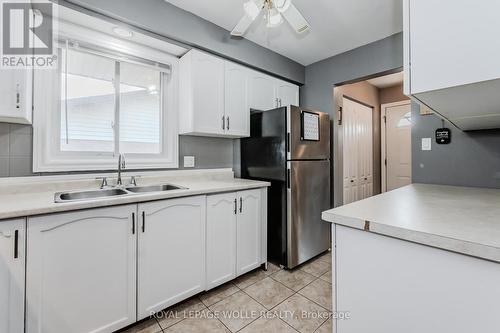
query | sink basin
[86, 195]
[153, 188]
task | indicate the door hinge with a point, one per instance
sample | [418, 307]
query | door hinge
[385, 162]
[385, 119]
[340, 116]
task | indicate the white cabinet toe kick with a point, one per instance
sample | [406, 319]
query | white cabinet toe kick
[100, 270]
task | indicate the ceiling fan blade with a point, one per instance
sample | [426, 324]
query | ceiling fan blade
[242, 26]
[295, 18]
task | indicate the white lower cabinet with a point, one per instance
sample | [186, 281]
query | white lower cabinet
[99, 270]
[248, 231]
[81, 271]
[171, 252]
[12, 275]
[221, 238]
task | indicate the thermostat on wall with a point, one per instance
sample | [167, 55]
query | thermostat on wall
[443, 136]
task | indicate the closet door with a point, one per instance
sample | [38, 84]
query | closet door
[350, 151]
[357, 151]
[365, 152]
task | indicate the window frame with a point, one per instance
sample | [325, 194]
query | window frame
[47, 155]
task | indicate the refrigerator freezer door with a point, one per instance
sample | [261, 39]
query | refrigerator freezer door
[300, 149]
[308, 196]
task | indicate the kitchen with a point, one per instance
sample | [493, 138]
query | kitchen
[180, 167]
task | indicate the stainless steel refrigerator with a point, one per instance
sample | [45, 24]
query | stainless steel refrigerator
[290, 148]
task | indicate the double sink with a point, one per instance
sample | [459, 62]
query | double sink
[113, 192]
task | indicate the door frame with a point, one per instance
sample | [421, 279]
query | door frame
[383, 140]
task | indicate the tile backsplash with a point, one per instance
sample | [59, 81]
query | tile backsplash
[16, 150]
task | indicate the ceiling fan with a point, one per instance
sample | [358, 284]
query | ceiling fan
[275, 11]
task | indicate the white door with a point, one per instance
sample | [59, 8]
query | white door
[236, 104]
[357, 151]
[248, 231]
[171, 252]
[287, 93]
[261, 91]
[15, 94]
[12, 275]
[365, 151]
[221, 238]
[208, 93]
[398, 145]
[81, 272]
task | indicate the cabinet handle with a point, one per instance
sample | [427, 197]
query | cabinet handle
[235, 206]
[16, 244]
[133, 223]
[223, 123]
[241, 204]
[143, 221]
[228, 123]
[18, 96]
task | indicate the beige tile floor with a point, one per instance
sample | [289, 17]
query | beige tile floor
[274, 301]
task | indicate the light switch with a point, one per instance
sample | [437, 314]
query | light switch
[426, 143]
[189, 161]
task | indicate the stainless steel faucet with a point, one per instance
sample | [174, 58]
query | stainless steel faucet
[121, 166]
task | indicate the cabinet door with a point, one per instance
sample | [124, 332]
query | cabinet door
[221, 238]
[15, 94]
[248, 231]
[468, 53]
[12, 275]
[171, 263]
[81, 272]
[287, 93]
[236, 104]
[261, 91]
[207, 93]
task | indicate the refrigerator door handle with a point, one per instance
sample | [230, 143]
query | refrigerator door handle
[288, 178]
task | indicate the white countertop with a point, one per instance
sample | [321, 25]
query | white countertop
[36, 197]
[460, 219]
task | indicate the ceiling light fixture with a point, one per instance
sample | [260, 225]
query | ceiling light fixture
[275, 12]
[274, 18]
[123, 32]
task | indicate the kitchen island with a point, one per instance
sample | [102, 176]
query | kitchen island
[422, 258]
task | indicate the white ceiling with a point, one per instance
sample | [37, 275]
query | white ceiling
[387, 81]
[336, 25]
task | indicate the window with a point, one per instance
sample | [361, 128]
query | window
[102, 102]
[405, 121]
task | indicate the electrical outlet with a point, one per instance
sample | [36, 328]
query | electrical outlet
[426, 144]
[189, 161]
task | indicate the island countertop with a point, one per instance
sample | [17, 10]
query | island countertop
[460, 219]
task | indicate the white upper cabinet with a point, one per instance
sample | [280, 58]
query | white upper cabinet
[12, 275]
[451, 59]
[266, 92]
[221, 238]
[287, 93]
[81, 271]
[201, 94]
[15, 94]
[171, 253]
[235, 100]
[261, 91]
[216, 95]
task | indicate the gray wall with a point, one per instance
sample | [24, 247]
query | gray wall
[382, 56]
[471, 159]
[167, 20]
[16, 151]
